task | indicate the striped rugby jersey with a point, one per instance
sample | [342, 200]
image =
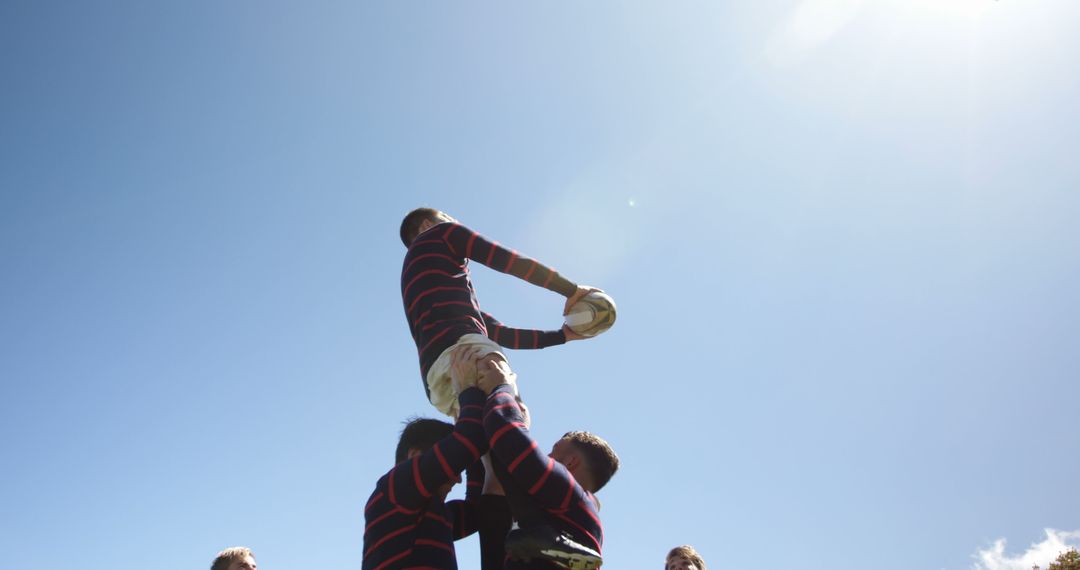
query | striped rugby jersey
[440, 303]
[406, 526]
[566, 505]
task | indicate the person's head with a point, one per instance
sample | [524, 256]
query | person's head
[420, 435]
[588, 458]
[235, 558]
[684, 558]
[419, 221]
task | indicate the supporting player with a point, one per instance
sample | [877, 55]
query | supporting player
[684, 558]
[235, 558]
[565, 529]
[408, 522]
[441, 305]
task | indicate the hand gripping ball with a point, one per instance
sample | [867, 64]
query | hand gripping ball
[592, 314]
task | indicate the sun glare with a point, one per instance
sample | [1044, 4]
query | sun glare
[951, 8]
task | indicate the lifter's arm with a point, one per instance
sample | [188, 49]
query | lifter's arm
[413, 482]
[543, 478]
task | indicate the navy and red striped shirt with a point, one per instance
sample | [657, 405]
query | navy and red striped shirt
[406, 524]
[440, 302]
[566, 505]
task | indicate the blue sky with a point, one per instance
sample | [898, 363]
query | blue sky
[842, 236]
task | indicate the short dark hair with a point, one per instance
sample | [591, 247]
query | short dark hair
[410, 226]
[422, 434]
[600, 458]
[225, 557]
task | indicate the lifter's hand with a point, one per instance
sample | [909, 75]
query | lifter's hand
[463, 371]
[494, 373]
[582, 290]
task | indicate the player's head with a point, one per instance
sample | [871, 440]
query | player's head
[418, 221]
[684, 558]
[589, 458]
[420, 435]
[235, 558]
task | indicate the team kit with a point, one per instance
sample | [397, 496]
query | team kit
[532, 509]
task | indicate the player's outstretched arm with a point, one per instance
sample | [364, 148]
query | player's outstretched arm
[515, 338]
[469, 244]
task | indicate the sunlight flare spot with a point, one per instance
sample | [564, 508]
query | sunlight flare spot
[811, 24]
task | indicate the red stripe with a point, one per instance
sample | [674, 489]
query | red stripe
[386, 538]
[510, 263]
[517, 338]
[442, 461]
[377, 496]
[405, 290]
[429, 292]
[442, 520]
[416, 478]
[532, 268]
[427, 542]
[511, 404]
[470, 421]
[501, 395]
[465, 441]
[449, 244]
[536, 339]
[540, 483]
[423, 316]
[469, 244]
[503, 430]
[391, 513]
[390, 561]
[520, 458]
[427, 255]
[471, 407]
[569, 493]
[491, 254]
[596, 542]
[426, 241]
[590, 512]
[479, 324]
[390, 486]
[551, 273]
[433, 339]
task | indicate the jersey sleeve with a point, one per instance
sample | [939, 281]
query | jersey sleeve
[510, 337]
[464, 517]
[543, 478]
[471, 245]
[412, 482]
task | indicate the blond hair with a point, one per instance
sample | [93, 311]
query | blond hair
[225, 557]
[689, 552]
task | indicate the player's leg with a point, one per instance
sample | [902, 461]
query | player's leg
[441, 390]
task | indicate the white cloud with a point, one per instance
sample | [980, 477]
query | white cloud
[1041, 553]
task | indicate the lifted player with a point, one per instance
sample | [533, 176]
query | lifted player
[441, 305]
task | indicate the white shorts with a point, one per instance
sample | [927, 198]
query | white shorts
[441, 389]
